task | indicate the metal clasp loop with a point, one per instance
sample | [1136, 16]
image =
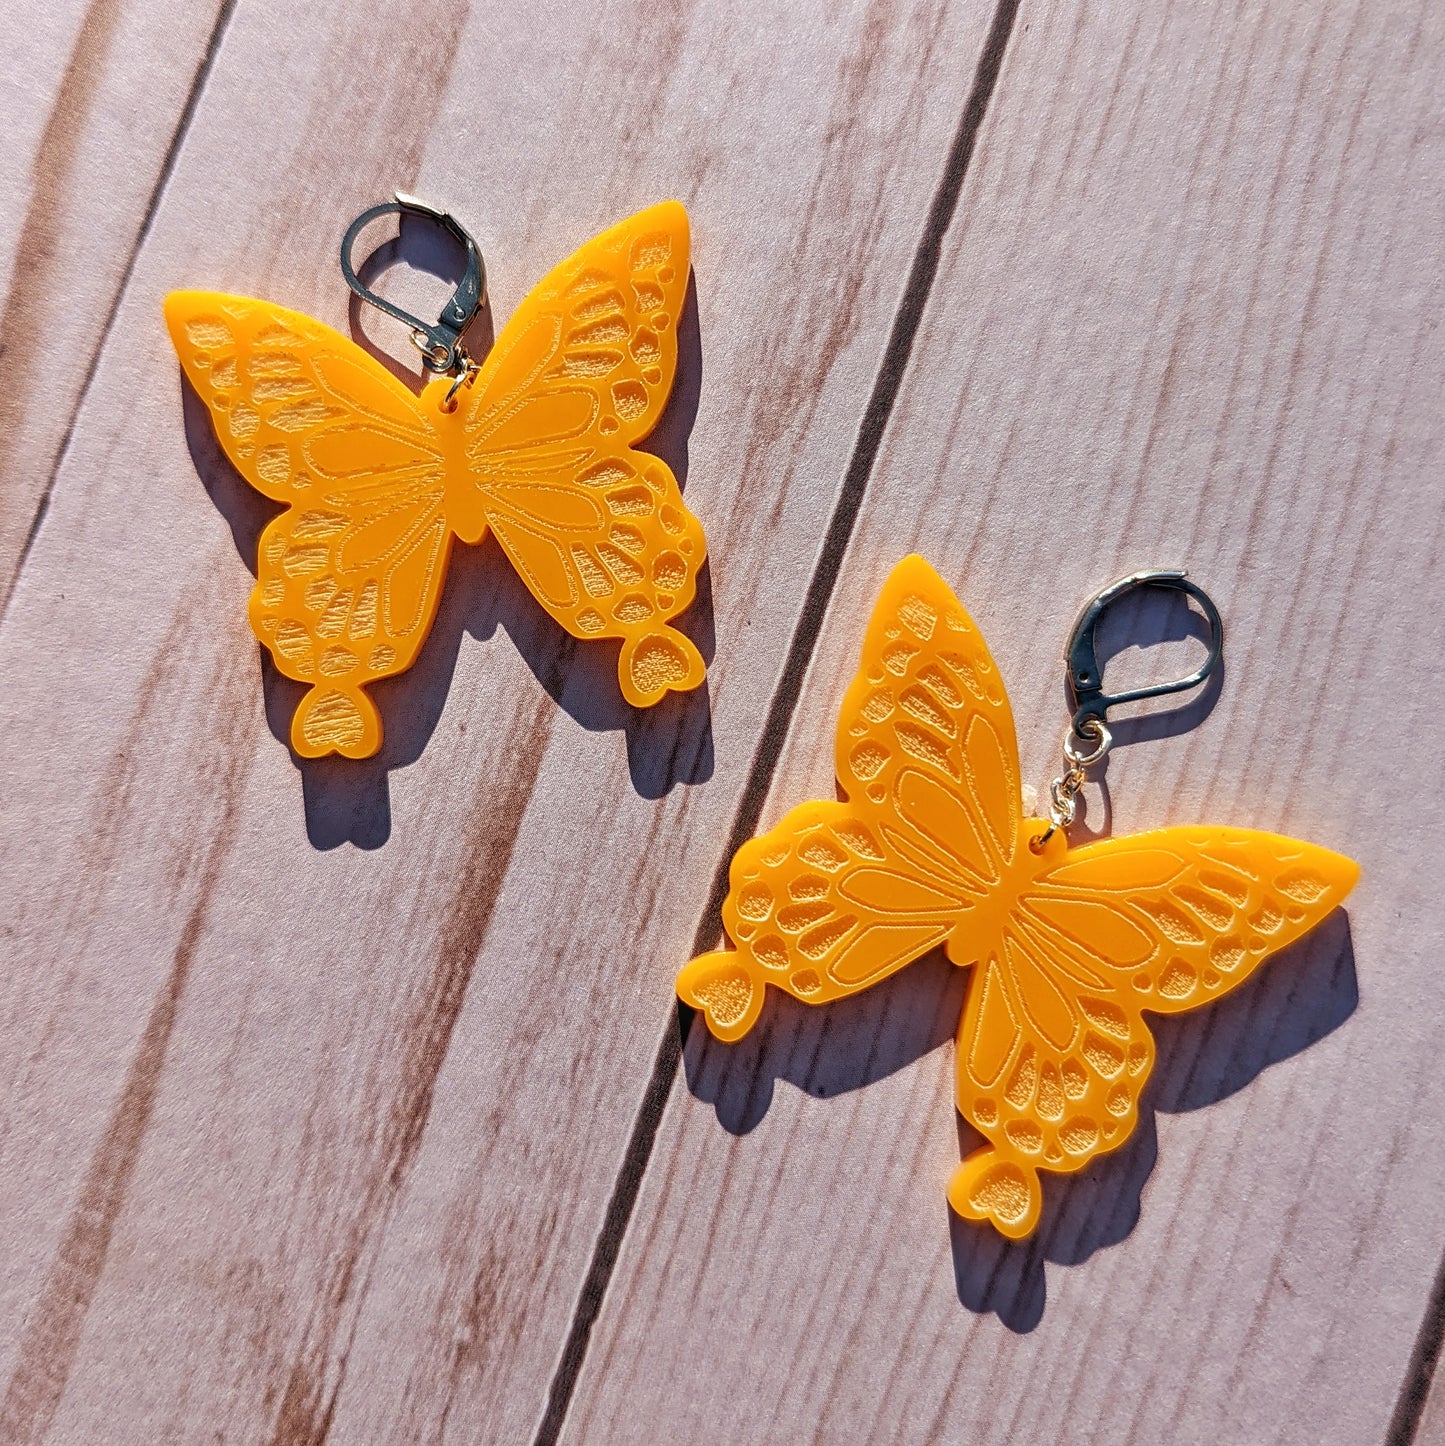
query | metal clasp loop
[1086, 677]
[1089, 739]
[441, 343]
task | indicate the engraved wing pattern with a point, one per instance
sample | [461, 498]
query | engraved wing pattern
[1053, 1049]
[1069, 947]
[349, 576]
[581, 373]
[840, 895]
[539, 449]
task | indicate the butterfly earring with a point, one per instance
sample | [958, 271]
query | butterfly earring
[1069, 946]
[535, 443]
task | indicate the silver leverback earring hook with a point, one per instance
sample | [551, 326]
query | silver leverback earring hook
[440, 343]
[1091, 703]
[1086, 677]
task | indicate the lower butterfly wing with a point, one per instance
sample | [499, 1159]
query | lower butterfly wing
[819, 907]
[349, 576]
[346, 595]
[1053, 1049]
[842, 894]
[597, 529]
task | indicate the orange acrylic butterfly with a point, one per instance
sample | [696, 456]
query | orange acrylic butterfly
[378, 480]
[1069, 947]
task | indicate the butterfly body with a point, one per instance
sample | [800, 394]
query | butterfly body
[1068, 947]
[539, 449]
[983, 920]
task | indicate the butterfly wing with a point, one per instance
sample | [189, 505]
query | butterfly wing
[841, 894]
[596, 529]
[349, 576]
[1053, 1050]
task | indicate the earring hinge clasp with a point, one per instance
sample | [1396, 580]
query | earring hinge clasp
[439, 342]
[1086, 677]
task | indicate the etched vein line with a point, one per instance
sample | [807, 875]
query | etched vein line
[183, 125]
[880, 405]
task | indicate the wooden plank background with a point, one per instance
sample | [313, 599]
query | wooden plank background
[96, 97]
[1189, 314]
[343, 1102]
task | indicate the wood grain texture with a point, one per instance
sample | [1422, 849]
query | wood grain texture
[93, 96]
[1189, 314]
[320, 1077]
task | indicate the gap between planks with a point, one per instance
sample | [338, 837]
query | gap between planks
[1420, 1372]
[816, 600]
[102, 335]
[1418, 1375]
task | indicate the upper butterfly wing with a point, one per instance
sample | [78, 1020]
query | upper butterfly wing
[840, 895]
[1053, 1049]
[925, 747]
[1179, 916]
[581, 373]
[349, 576]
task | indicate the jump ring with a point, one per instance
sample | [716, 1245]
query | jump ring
[1099, 729]
[463, 378]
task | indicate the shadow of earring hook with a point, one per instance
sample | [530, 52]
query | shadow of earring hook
[440, 343]
[1086, 677]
